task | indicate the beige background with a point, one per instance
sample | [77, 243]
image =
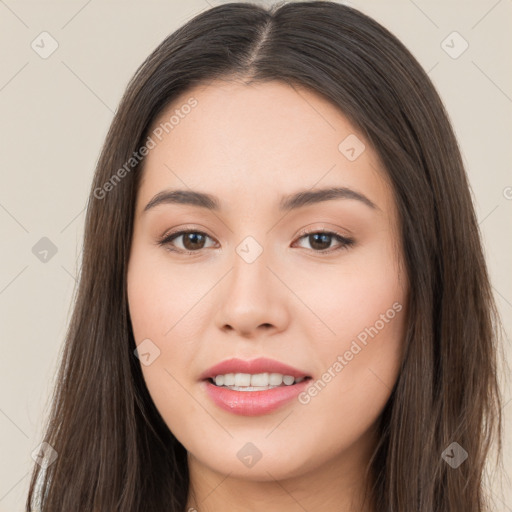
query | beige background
[55, 113]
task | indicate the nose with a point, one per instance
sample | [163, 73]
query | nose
[253, 300]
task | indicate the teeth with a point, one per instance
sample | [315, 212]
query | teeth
[242, 379]
[275, 379]
[229, 379]
[261, 379]
[258, 380]
[288, 379]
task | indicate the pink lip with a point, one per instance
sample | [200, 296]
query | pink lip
[253, 403]
[259, 365]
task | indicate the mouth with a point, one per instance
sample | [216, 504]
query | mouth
[236, 394]
[255, 387]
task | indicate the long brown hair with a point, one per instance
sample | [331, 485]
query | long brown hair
[115, 453]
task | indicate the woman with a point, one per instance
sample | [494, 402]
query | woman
[283, 302]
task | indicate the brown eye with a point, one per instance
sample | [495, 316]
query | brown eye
[192, 241]
[320, 241]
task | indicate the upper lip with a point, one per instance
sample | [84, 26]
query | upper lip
[254, 366]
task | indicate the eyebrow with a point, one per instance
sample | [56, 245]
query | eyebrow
[287, 203]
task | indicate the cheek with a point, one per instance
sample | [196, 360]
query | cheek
[358, 343]
[348, 397]
[161, 301]
[159, 294]
[349, 295]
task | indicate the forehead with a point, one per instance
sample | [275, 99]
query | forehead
[240, 120]
[258, 141]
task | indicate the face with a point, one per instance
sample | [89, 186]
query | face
[315, 285]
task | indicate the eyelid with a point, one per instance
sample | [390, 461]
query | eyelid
[187, 229]
[309, 230]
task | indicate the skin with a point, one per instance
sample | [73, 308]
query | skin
[249, 145]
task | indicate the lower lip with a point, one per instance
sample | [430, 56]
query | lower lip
[253, 403]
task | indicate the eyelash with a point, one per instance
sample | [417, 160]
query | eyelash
[345, 242]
